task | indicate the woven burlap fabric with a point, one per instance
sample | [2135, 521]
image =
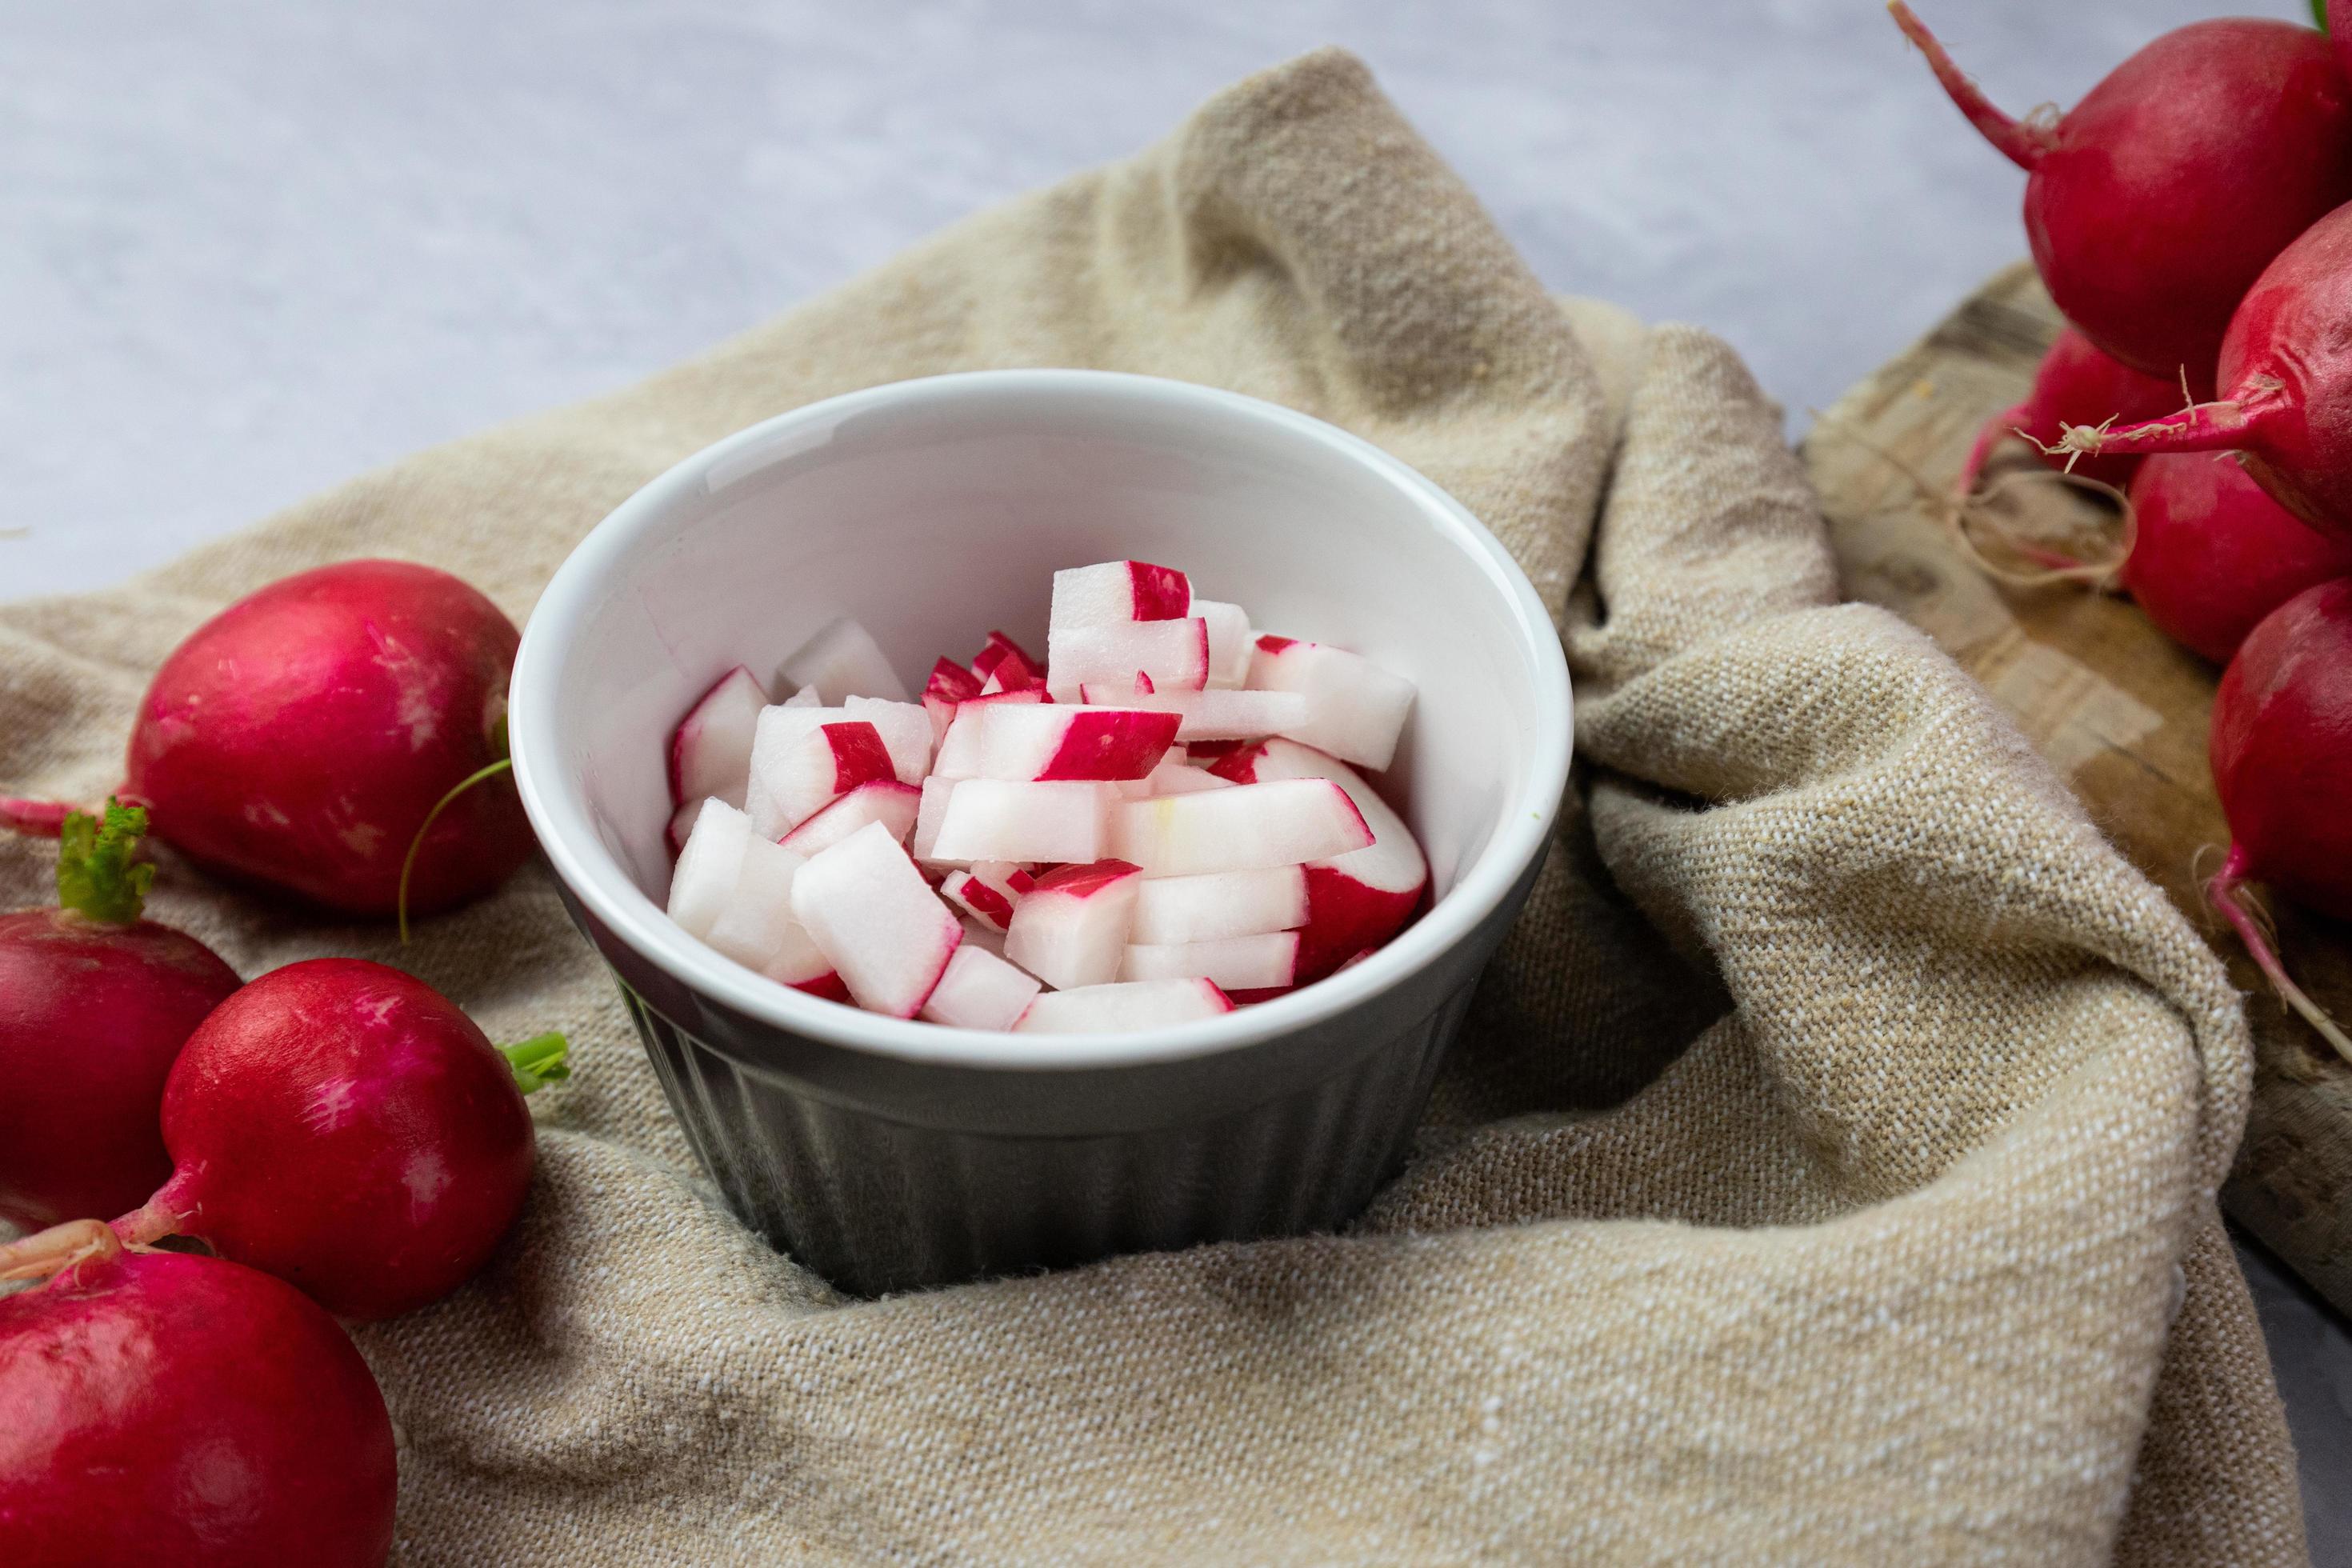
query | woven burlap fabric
[1826, 1175]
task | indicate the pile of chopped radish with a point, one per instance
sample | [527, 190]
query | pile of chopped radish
[1163, 819]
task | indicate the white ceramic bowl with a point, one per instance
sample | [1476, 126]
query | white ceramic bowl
[888, 1153]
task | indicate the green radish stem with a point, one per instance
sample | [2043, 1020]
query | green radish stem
[2227, 893]
[538, 1061]
[408, 862]
[98, 875]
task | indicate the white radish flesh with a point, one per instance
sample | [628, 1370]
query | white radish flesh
[1231, 642]
[1072, 928]
[978, 990]
[1174, 777]
[998, 819]
[870, 911]
[1221, 904]
[1236, 962]
[1057, 741]
[805, 757]
[1244, 829]
[906, 731]
[704, 878]
[1356, 709]
[710, 752]
[1122, 1008]
[1215, 715]
[885, 800]
[989, 891]
[844, 661]
[929, 814]
[1174, 653]
[758, 930]
[681, 825]
[1117, 592]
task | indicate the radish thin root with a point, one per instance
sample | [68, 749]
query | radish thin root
[408, 861]
[35, 818]
[62, 1247]
[2227, 892]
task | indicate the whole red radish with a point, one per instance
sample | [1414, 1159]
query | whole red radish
[2286, 368]
[344, 1127]
[2281, 754]
[94, 1004]
[300, 738]
[166, 1409]
[2154, 203]
[2211, 553]
[2076, 384]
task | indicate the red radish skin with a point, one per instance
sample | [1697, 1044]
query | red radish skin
[163, 1408]
[2287, 363]
[93, 1008]
[300, 739]
[2076, 384]
[1007, 665]
[2282, 753]
[345, 1127]
[2212, 554]
[2154, 203]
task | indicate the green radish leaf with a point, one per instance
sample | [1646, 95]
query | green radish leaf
[97, 875]
[538, 1061]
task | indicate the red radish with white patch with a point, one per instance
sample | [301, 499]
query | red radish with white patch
[1057, 742]
[345, 1127]
[872, 914]
[989, 891]
[1215, 715]
[806, 758]
[1123, 1008]
[1357, 901]
[1231, 643]
[1071, 928]
[1000, 819]
[842, 661]
[95, 1002]
[1117, 593]
[1221, 904]
[2076, 384]
[2211, 553]
[1268, 961]
[167, 1408]
[885, 800]
[978, 990]
[1004, 665]
[711, 750]
[1356, 709]
[906, 731]
[1174, 653]
[1257, 825]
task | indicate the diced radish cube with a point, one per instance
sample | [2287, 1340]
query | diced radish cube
[980, 934]
[1235, 963]
[950, 684]
[870, 911]
[703, 880]
[681, 825]
[806, 696]
[1053, 741]
[885, 800]
[1221, 904]
[827, 987]
[1174, 777]
[1071, 928]
[1358, 900]
[1244, 829]
[1231, 642]
[805, 757]
[989, 891]
[711, 752]
[906, 731]
[1174, 653]
[1117, 592]
[758, 930]
[961, 751]
[929, 814]
[844, 661]
[998, 820]
[1356, 710]
[1123, 1009]
[1004, 664]
[979, 990]
[1213, 715]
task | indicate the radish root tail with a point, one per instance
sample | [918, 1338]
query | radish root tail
[62, 1247]
[2229, 896]
[408, 861]
[35, 818]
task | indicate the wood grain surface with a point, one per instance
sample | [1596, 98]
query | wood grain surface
[2119, 710]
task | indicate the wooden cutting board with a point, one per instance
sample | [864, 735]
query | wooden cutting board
[2117, 707]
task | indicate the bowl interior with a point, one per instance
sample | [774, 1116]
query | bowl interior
[935, 511]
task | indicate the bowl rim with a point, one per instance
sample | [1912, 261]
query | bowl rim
[594, 876]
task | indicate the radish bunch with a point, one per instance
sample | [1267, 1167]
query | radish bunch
[1160, 818]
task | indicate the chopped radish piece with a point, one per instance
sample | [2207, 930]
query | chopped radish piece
[980, 934]
[681, 825]
[1052, 740]
[885, 800]
[979, 990]
[704, 878]
[827, 987]
[906, 731]
[1006, 666]
[928, 815]
[1215, 715]
[1231, 642]
[870, 911]
[805, 757]
[962, 758]
[758, 930]
[1117, 592]
[1122, 1008]
[1236, 962]
[998, 819]
[950, 684]
[710, 753]
[989, 891]
[1244, 829]
[1072, 928]
[1355, 901]
[1356, 709]
[1175, 777]
[1174, 653]
[1221, 904]
[844, 661]
[806, 696]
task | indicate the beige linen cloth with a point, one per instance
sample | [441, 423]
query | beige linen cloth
[1825, 1176]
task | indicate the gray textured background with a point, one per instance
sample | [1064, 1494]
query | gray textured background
[250, 247]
